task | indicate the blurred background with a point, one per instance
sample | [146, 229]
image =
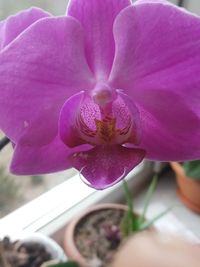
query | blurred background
[8, 7]
[58, 7]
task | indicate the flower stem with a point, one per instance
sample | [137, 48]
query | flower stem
[3, 259]
[180, 3]
[3, 142]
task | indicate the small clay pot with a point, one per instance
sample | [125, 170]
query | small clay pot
[188, 188]
[69, 245]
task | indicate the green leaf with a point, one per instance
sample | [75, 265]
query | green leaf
[130, 222]
[151, 222]
[125, 225]
[65, 264]
[148, 197]
[192, 169]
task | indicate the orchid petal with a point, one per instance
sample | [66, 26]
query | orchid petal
[15, 25]
[97, 19]
[38, 71]
[179, 141]
[44, 159]
[104, 166]
[157, 64]
[67, 123]
[136, 118]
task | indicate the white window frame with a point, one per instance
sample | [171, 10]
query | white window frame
[50, 212]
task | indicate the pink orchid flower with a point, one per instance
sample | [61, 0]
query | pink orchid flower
[100, 89]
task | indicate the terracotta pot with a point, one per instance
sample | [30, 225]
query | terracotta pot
[69, 243]
[188, 189]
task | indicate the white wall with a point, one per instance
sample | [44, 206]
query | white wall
[8, 7]
[193, 5]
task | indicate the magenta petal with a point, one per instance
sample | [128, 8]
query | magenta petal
[173, 44]
[14, 25]
[157, 64]
[136, 118]
[176, 138]
[41, 160]
[38, 71]
[104, 166]
[97, 18]
[77, 120]
[68, 121]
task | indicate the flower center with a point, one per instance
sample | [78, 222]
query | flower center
[83, 121]
[106, 123]
[103, 94]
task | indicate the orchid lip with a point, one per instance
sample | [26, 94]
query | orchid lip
[99, 186]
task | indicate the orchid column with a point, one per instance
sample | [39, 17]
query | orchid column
[100, 89]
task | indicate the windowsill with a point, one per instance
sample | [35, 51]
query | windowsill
[179, 220]
[50, 212]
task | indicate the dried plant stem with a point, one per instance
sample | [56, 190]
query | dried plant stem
[3, 142]
[3, 259]
[181, 3]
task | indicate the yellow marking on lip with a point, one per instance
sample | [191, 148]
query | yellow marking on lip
[106, 129]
